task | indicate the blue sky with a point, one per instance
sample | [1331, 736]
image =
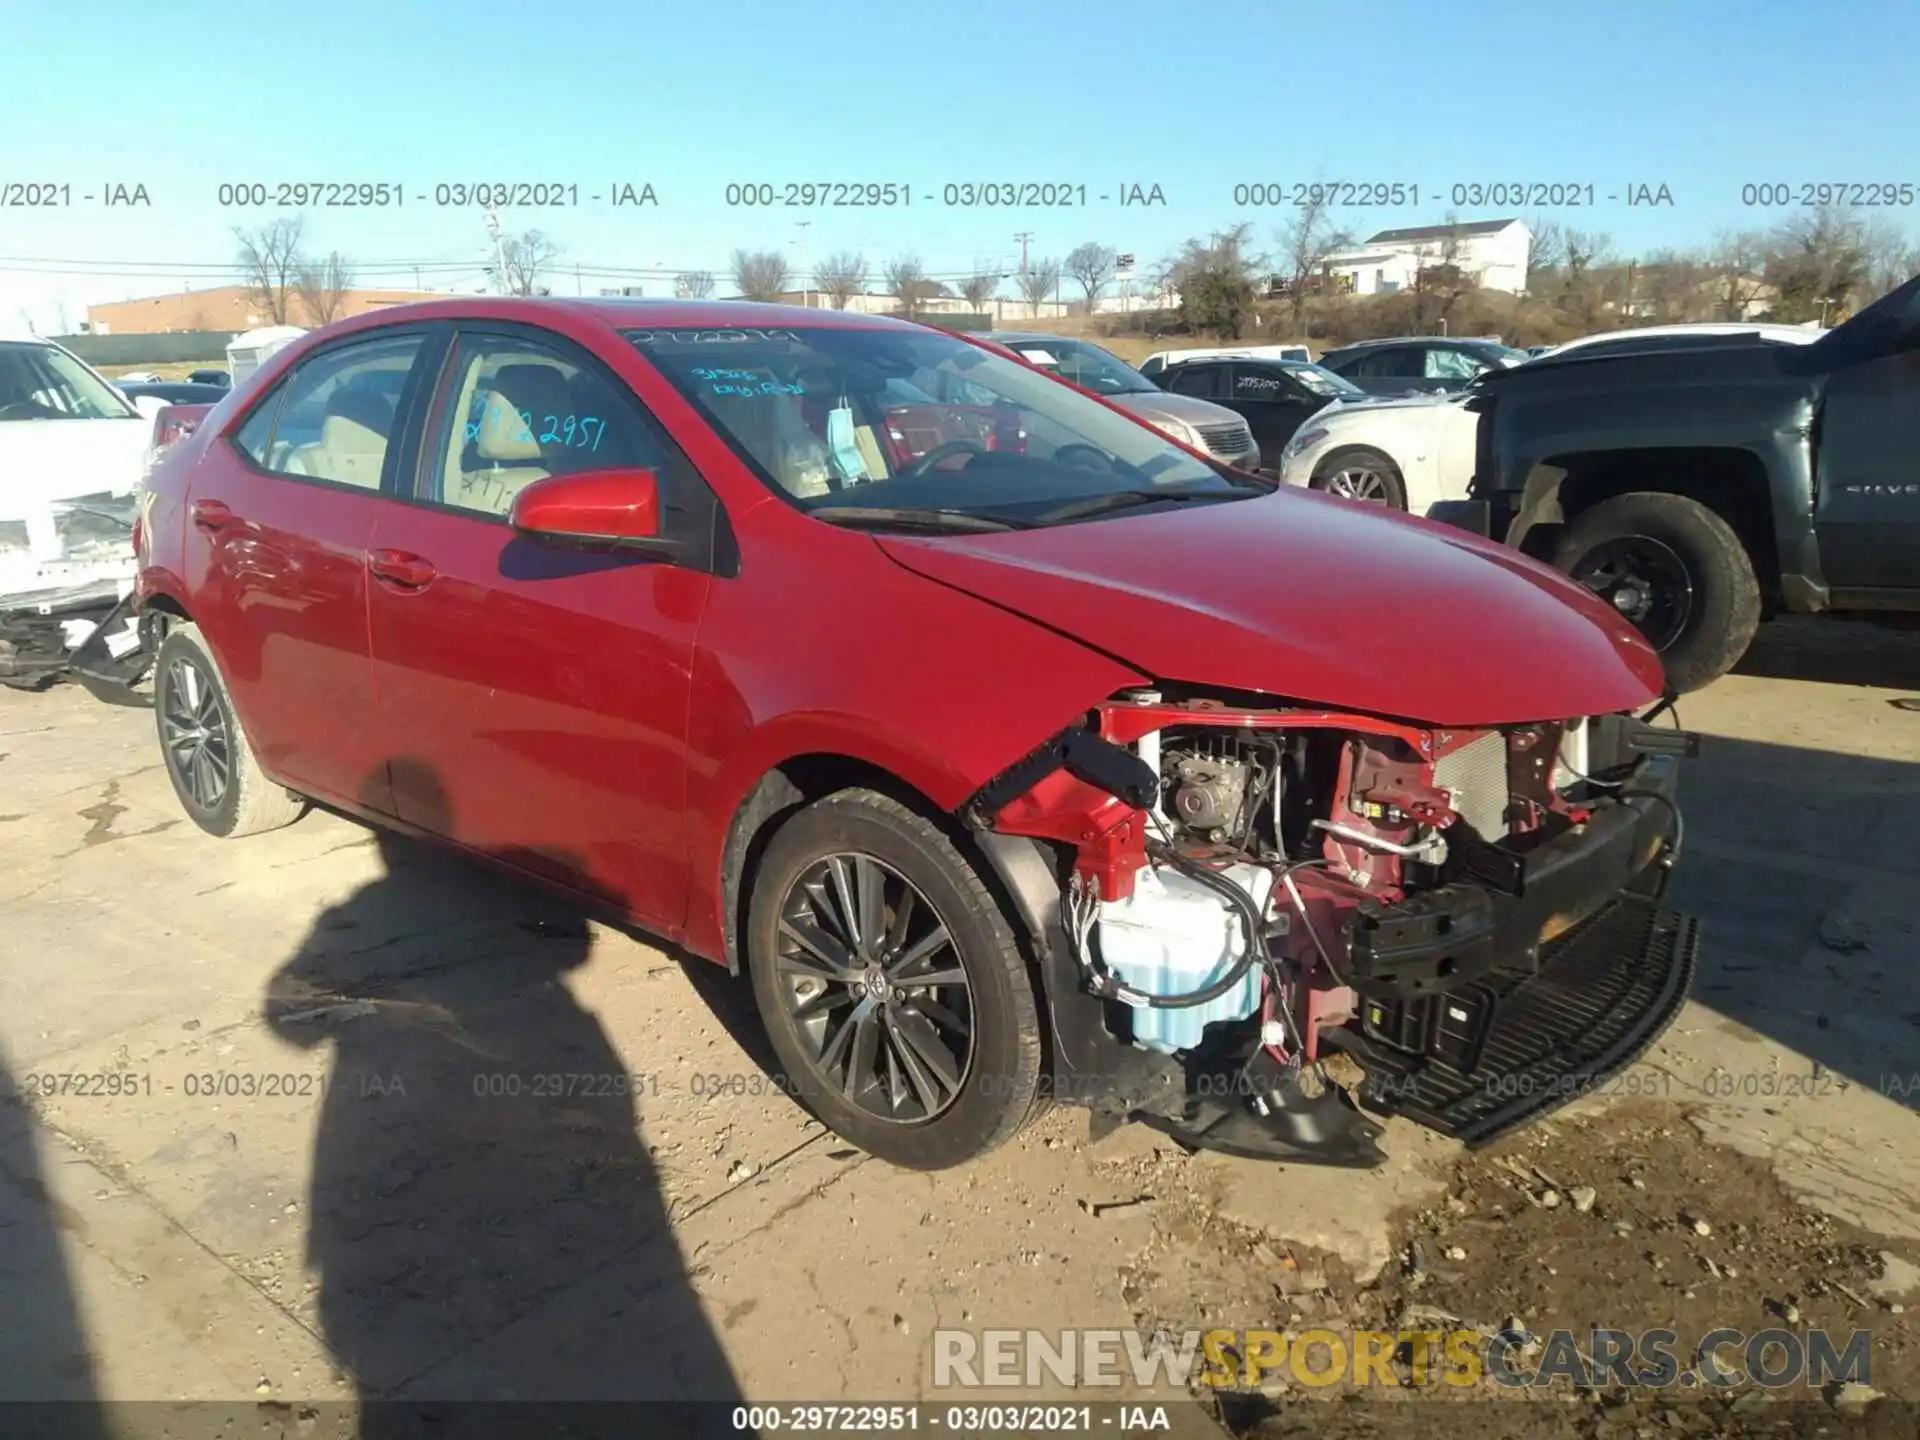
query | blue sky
[1194, 97]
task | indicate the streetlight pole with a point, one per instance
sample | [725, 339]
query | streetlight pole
[806, 280]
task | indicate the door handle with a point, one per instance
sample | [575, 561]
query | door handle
[402, 568]
[211, 514]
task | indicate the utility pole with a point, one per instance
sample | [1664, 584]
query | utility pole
[806, 280]
[499, 250]
[1023, 237]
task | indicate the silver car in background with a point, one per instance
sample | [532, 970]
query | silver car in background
[1200, 423]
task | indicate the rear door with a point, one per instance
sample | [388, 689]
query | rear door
[1868, 507]
[1274, 404]
[533, 700]
[281, 509]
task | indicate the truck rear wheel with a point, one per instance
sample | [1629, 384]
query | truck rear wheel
[1677, 571]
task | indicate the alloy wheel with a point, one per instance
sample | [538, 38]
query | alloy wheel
[875, 988]
[1359, 483]
[193, 726]
[1643, 579]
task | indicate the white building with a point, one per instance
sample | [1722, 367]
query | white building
[1493, 253]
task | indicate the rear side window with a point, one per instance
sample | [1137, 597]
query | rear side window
[1397, 364]
[335, 417]
[1200, 380]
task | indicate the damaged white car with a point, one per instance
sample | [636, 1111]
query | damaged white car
[71, 457]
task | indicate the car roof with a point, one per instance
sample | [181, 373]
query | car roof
[1443, 340]
[624, 313]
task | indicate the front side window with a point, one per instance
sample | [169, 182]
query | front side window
[39, 382]
[523, 411]
[337, 412]
[822, 414]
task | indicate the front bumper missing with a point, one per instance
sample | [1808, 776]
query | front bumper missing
[1481, 1061]
[114, 658]
[1444, 939]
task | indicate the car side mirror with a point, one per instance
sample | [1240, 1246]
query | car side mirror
[617, 510]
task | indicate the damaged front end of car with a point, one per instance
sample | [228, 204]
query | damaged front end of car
[66, 577]
[1263, 924]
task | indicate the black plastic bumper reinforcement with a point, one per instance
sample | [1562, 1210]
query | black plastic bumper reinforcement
[1479, 1062]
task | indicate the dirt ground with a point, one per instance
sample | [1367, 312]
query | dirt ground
[323, 1116]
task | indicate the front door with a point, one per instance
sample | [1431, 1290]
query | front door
[1868, 510]
[1274, 405]
[281, 509]
[534, 700]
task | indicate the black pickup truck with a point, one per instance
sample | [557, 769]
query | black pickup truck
[1703, 483]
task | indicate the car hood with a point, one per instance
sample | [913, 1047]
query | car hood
[1313, 599]
[1425, 400]
[1163, 404]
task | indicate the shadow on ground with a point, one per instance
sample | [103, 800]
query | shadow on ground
[1831, 651]
[479, 1157]
[46, 1369]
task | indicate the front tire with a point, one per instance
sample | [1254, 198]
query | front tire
[1362, 474]
[214, 773]
[891, 986]
[1677, 571]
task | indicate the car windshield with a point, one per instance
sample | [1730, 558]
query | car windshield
[1322, 381]
[40, 382]
[1087, 366]
[1502, 354]
[868, 421]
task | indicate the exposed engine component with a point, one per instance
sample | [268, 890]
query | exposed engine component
[1210, 794]
[1251, 888]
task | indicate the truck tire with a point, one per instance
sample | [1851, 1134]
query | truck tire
[215, 776]
[1677, 570]
[900, 1007]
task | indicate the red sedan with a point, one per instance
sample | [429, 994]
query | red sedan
[1052, 758]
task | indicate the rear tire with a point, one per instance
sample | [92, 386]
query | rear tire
[855, 1018]
[1362, 474]
[1702, 616]
[214, 773]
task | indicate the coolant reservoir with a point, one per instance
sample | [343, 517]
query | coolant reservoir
[1174, 936]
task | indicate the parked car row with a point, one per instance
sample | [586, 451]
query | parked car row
[1006, 745]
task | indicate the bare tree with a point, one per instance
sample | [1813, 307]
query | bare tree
[323, 287]
[907, 278]
[1735, 264]
[760, 274]
[1893, 257]
[1817, 264]
[270, 261]
[1214, 278]
[842, 276]
[1092, 265]
[523, 259]
[978, 288]
[1039, 280]
[693, 284]
[1306, 245]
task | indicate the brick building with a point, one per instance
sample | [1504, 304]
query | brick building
[227, 308]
